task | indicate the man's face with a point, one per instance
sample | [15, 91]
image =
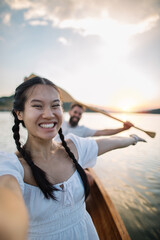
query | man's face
[75, 115]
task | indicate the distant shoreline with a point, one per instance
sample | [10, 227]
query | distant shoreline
[145, 112]
[6, 106]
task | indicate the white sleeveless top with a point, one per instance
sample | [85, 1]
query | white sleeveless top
[66, 218]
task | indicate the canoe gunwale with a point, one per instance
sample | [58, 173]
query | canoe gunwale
[105, 217]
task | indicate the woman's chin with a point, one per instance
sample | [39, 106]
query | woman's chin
[47, 137]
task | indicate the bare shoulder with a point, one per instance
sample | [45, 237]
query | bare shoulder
[72, 147]
[21, 159]
[28, 177]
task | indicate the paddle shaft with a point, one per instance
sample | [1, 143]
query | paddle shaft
[151, 134]
[100, 111]
[68, 98]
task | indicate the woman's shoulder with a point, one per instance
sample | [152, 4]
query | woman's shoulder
[81, 144]
[71, 143]
[86, 149]
[10, 164]
[10, 160]
[7, 155]
[79, 140]
[73, 139]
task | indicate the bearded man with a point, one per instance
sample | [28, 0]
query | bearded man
[72, 126]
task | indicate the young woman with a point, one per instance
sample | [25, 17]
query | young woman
[45, 176]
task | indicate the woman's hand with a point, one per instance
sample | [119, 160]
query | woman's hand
[13, 213]
[137, 139]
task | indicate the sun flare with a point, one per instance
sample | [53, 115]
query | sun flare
[126, 108]
[126, 105]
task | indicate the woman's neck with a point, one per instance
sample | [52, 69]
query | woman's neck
[41, 150]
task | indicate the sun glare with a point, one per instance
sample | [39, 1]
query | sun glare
[126, 105]
[126, 108]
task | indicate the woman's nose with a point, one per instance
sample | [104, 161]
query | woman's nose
[48, 112]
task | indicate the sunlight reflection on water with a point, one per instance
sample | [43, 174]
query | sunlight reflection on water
[131, 176]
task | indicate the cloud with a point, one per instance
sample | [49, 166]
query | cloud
[19, 4]
[6, 17]
[91, 17]
[122, 27]
[37, 10]
[63, 41]
[105, 27]
[1, 39]
[38, 23]
[132, 11]
[56, 10]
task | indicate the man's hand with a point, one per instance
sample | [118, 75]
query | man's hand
[127, 125]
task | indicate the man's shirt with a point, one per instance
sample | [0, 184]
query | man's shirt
[79, 130]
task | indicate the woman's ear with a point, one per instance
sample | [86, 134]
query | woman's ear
[19, 115]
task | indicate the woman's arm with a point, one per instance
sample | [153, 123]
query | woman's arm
[13, 212]
[111, 143]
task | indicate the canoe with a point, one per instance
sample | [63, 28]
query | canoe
[106, 219]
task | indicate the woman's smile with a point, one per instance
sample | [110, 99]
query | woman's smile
[48, 125]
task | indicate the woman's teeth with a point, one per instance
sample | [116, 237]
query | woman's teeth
[48, 125]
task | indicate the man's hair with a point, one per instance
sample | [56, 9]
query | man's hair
[77, 105]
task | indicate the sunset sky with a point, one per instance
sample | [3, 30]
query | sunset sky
[102, 52]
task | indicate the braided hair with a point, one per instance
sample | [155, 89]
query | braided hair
[78, 167]
[39, 175]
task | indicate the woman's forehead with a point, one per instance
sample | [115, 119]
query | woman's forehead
[42, 91]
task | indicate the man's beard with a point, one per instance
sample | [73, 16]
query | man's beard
[72, 121]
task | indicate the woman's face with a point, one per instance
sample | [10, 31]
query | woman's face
[42, 113]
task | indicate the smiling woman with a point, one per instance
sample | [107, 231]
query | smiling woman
[48, 175]
[43, 109]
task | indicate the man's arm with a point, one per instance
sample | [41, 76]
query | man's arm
[108, 132]
[13, 213]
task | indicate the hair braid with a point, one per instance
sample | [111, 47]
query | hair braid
[39, 175]
[78, 166]
[15, 130]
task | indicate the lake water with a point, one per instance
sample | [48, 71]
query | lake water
[131, 176]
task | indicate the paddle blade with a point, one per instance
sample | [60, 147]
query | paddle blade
[151, 134]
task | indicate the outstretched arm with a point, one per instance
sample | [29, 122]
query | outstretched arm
[108, 144]
[13, 213]
[108, 132]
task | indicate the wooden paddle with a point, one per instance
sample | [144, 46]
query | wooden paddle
[66, 97]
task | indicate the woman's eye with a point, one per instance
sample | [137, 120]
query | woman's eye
[55, 106]
[37, 106]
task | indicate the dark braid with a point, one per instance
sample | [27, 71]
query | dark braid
[78, 167]
[39, 175]
[15, 130]
[18, 105]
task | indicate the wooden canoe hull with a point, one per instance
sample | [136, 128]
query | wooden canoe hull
[105, 217]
